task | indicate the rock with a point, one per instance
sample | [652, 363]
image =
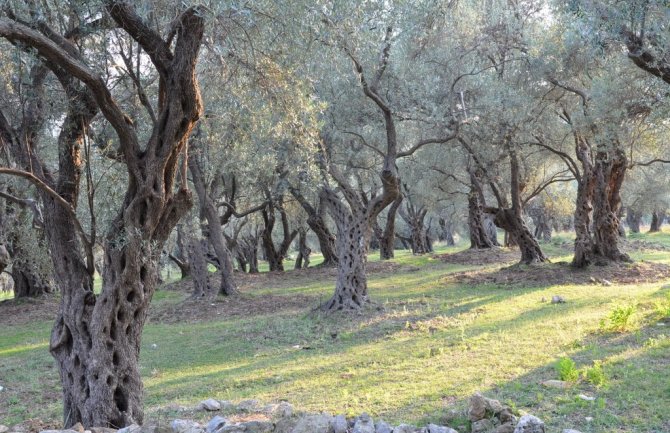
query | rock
[588, 418]
[284, 409]
[481, 426]
[210, 404]
[606, 282]
[404, 428]
[248, 406]
[183, 426]
[3, 428]
[313, 424]
[494, 406]
[383, 427]
[506, 416]
[233, 428]
[132, 428]
[569, 430]
[432, 428]
[559, 384]
[556, 299]
[586, 397]
[364, 424]
[102, 430]
[529, 424]
[227, 406]
[504, 428]
[339, 424]
[257, 427]
[285, 425]
[476, 407]
[78, 427]
[215, 423]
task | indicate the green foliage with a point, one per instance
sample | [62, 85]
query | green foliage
[567, 370]
[620, 318]
[595, 374]
[663, 307]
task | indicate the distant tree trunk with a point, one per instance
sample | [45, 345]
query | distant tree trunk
[302, 260]
[5, 259]
[211, 226]
[316, 222]
[542, 224]
[633, 219]
[414, 217]
[477, 221]
[657, 218]
[199, 269]
[179, 256]
[446, 232]
[250, 251]
[275, 255]
[387, 236]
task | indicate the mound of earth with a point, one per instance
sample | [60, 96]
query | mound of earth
[495, 255]
[640, 245]
[549, 274]
[29, 310]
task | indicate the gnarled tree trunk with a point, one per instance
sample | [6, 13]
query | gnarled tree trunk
[387, 236]
[633, 219]
[302, 260]
[316, 222]
[657, 218]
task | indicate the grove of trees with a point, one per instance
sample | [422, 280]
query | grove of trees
[137, 134]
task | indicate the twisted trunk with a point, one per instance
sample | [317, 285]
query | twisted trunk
[657, 218]
[387, 238]
[302, 260]
[633, 219]
[317, 223]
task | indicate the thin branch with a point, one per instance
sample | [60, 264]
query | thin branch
[88, 246]
[365, 143]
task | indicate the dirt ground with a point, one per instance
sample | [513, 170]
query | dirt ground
[560, 273]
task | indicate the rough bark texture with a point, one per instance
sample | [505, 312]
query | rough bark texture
[610, 169]
[317, 223]
[657, 218]
[276, 255]
[414, 217]
[302, 260]
[200, 273]
[96, 340]
[633, 219]
[478, 222]
[446, 233]
[211, 227]
[387, 236]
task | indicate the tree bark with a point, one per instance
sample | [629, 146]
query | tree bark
[275, 255]
[316, 222]
[657, 218]
[211, 228]
[302, 260]
[478, 223]
[633, 219]
[387, 238]
[96, 340]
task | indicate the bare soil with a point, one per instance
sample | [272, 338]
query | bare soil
[489, 256]
[561, 273]
[29, 310]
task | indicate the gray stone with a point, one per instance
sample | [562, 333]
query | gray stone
[476, 407]
[210, 404]
[284, 409]
[569, 430]
[506, 416]
[339, 424]
[505, 428]
[364, 424]
[215, 423]
[558, 384]
[183, 426]
[248, 406]
[481, 426]
[556, 299]
[3, 428]
[404, 428]
[383, 427]
[493, 405]
[285, 425]
[258, 427]
[132, 428]
[432, 428]
[102, 430]
[233, 428]
[529, 424]
[313, 424]
[78, 427]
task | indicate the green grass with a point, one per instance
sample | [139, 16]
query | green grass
[434, 344]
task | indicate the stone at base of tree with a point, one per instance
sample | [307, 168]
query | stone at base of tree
[215, 424]
[505, 428]
[102, 430]
[339, 424]
[132, 428]
[185, 426]
[432, 428]
[364, 424]
[78, 427]
[481, 426]
[313, 424]
[210, 405]
[248, 406]
[529, 424]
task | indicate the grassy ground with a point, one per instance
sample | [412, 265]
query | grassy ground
[434, 343]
